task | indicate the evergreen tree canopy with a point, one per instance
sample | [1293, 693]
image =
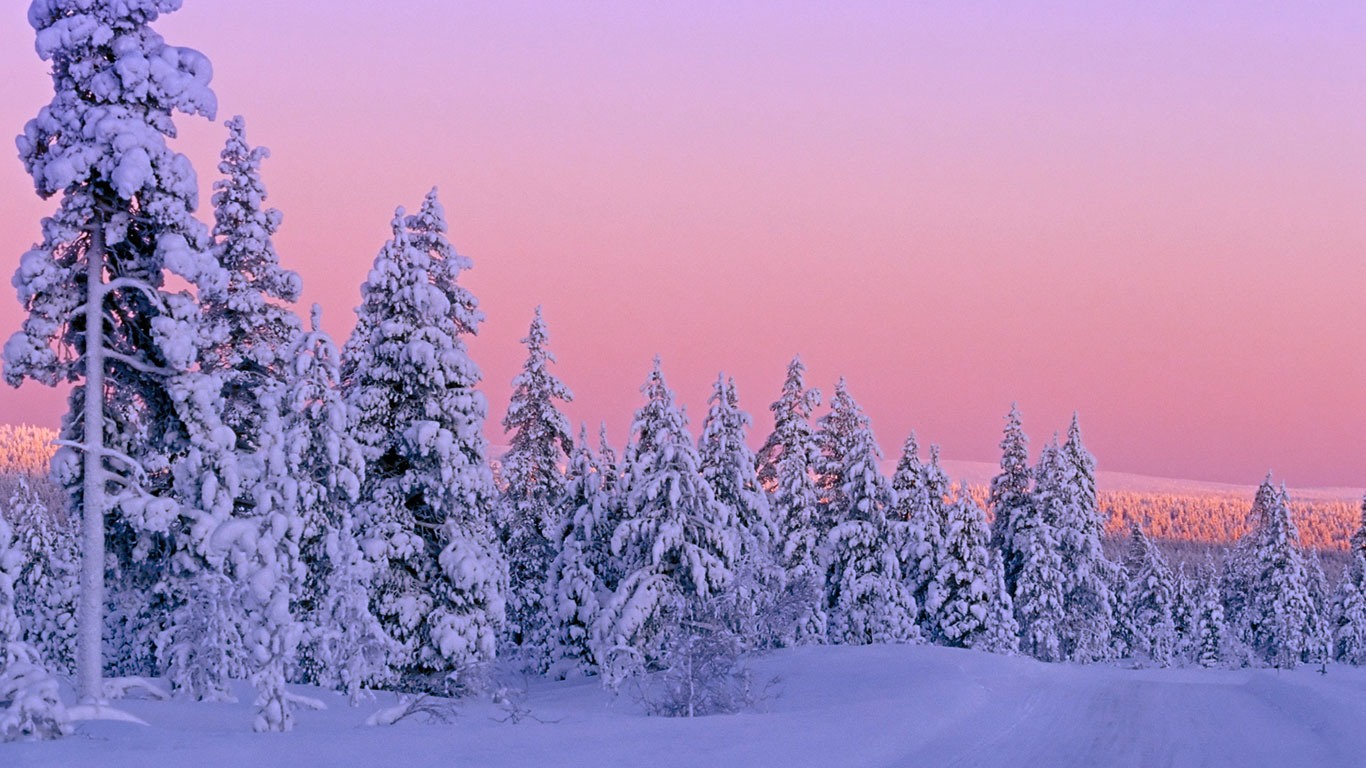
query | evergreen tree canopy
[427, 497]
[1010, 497]
[678, 545]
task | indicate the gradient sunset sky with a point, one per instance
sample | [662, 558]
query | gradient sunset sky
[1150, 213]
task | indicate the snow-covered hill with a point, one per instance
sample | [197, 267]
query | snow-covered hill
[907, 706]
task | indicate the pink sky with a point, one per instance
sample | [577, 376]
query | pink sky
[1153, 216]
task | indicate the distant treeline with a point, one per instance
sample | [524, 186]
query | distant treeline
[1221, 519]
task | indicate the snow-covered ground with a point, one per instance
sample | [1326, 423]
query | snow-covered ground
[835, 706]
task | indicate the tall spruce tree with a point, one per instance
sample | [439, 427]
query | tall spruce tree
[1278, 615]
[1348, 612]
[1010, 498]
[1040, 585]
[343, 645]
[535, 485]
[917, 532]
[250, 333]
[1087, 602]
[47, 588]
[837, 437]
[428, 493]
[575, 587]
[1210, 643]
[677, 543]
[728, 466]
[786, 468]
[965, 581]
[146, 460]
[868, 599]
[32, 708]
[1151, 600]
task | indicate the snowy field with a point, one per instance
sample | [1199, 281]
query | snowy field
[884, 706]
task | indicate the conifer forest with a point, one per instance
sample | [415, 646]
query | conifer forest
[239, 501]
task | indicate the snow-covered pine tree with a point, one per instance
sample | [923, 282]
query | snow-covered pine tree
[1210, 636]
[1150, 600]
[791, 419]
[1122, 631]
[98, 313]
[574, 587]
[343, 645]
[1033, 533]
[728, 466]
[46, 590]
[1010, 498]
[1349, 612]
[1185, 612]
[251, 331]
[965, 582]
[535, 484]
[917, 533]
[427, 494]
[785, 468]
[836, 437]
[607, 565]
[676, 541]
[1087, 604]
[1002, 631]
[867, 598]
[1278, 617]
[249, 326]
[1320, 630]
[29, 705]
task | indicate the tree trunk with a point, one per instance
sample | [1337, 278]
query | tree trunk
[90, 614]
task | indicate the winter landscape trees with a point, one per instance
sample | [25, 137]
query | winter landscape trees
[266, 507]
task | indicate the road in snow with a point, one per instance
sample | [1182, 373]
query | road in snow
[887, 706]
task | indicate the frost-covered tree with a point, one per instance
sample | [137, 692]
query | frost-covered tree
[1034, 536]
[1010, 498]
[1185, 612]
[867, 598]
[574, 587]
[965, 582]
[676, 541]
[702, 669]
[917, 532]
[1276, 617]
[607, 565]
[1070, 485]
[1209, 640]
[343, 645]
[29, 705]
[728, 466]
[147, 457]
[1002, 631]
[1320, 629]
[531, 471]
[837, 435]
[251, 331]
[1349, 612]
[427, 495]
[46, 590]
[785, 468]
[250, 327]
[1151, 600]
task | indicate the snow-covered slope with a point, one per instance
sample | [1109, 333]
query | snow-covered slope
[833, 706]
